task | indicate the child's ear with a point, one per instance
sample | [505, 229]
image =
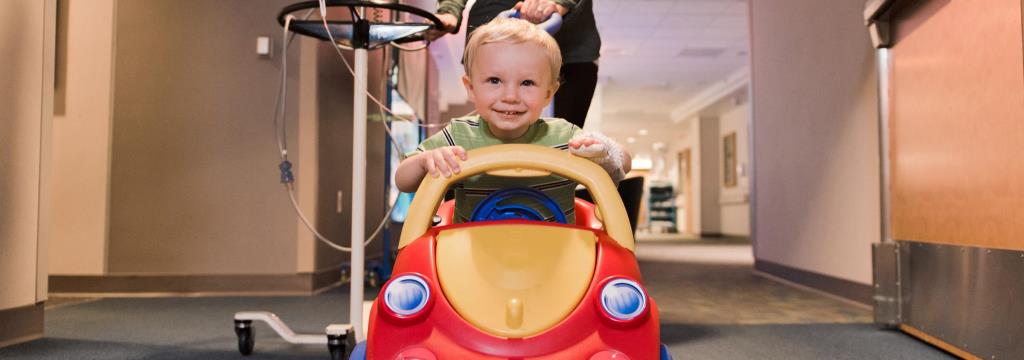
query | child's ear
[469, 87]
[553, 90]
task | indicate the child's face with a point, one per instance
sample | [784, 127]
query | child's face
[510, 84]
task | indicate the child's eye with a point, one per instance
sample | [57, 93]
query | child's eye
[529, 83]
[493, 80]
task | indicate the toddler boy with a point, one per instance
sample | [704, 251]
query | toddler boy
[511, 75]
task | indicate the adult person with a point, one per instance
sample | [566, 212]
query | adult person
[578, 38]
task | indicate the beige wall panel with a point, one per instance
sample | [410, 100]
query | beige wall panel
[46, 149]
[816, 137]
[194, 181]
[26, 39]
[81, 142]
[335, 86]
[306, 177]
[956, 129]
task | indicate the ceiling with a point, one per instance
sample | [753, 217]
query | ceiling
[657, 57]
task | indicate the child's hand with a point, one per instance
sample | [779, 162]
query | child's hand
[443, 161]
[602, 150]
[587, 147]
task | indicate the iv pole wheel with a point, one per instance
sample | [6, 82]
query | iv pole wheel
[246, 338]
[336, 346]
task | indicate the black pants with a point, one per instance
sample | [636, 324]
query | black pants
[577, 90]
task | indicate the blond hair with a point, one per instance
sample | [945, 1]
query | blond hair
[514, 31]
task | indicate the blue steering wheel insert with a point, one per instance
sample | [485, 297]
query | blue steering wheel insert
[491, 208]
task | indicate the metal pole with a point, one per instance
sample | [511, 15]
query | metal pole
[358, 194]
[882, 57]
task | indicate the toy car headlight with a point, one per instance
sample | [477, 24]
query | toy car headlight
[623, 299]
[407, 295]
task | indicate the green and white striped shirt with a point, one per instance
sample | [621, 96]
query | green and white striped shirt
[471, 132]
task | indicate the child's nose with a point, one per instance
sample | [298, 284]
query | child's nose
[509, 94]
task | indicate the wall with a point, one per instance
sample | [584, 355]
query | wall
[81, 139]
[335, 97]
[735, 205]
[194, 181]
[689, 138]
[26, 97]
[307, 178]
[167, 152]
[717, 210]
[815, 137]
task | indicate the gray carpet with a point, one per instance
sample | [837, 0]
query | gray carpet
[178, 328]
[793, 341]
[201, 328]
[697, 302]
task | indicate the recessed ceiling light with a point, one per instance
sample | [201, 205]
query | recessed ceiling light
[642, 132]
[630, 140]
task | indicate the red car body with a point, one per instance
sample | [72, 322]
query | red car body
[438, 331]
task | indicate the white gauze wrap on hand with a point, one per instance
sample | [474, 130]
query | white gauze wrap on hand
[606, 152]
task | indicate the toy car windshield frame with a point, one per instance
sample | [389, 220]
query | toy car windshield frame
[527, 158]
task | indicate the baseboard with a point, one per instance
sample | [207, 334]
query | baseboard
[21, 324]
[193, 285]
[846, 289]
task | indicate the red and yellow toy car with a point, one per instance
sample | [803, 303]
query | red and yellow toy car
[516, 288]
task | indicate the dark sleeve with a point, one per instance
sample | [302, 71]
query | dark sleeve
[568, 4]
[454, 7]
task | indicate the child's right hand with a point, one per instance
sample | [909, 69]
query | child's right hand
[443, 160]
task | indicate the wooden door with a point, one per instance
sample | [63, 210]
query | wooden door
[957, 178]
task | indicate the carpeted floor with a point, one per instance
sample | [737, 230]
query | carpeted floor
[712, 307]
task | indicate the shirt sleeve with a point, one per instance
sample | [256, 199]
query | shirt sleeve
[568, 4]
[454, 7]
[433, 142]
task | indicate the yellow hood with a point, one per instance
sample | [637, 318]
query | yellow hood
[515, 280]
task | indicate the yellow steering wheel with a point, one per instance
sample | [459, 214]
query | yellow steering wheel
[522, 160]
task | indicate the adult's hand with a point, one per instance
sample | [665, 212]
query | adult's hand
[537, 11]
[448, 22]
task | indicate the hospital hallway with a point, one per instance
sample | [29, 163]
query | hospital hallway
[712, 306]
[786, 179]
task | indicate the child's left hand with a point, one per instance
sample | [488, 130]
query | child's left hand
[587, 147]
[601, 150]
